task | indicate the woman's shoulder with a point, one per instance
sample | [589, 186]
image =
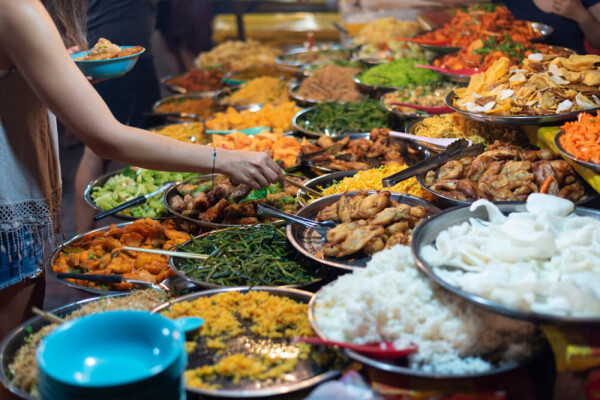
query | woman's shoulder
[18, 11]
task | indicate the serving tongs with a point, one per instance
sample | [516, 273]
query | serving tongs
[135, 202]
[458, 149]
[320, 227]
[99, 278]
[435, 144]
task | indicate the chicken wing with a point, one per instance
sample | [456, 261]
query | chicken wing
[358, 238]
[373, 204]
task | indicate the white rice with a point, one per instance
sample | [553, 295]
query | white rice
[390, 300]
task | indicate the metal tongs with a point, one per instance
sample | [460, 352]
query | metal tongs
[320, 227]
[458, 149]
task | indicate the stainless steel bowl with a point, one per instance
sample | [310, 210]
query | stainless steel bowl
[586, 164]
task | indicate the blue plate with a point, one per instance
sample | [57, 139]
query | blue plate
[106, 69]
[110, 349]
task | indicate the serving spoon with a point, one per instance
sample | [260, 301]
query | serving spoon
[429, 110]
[383, 350]
[460, 71]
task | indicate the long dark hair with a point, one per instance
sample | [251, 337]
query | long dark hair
[70, 18]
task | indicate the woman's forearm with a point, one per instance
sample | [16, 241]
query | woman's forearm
[590, 27]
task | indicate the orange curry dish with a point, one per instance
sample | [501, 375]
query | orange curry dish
[100, 253]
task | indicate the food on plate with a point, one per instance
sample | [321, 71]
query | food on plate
[188, 132]
[363, 153]
[487, 21]
[200, 80]
[408, 308]
[283, 149]
[246, 256]
[398, 73]
[237, 55]
[331, 83]
[23, 367]
[544, 260]
[221, 201]
[427, 95]
[581, 138]
[332, 118]
[543, 85]
[392, 50]
[385, 30]
[278, 118]
[105, 50]
[257, 71]
[455, 125]
[506, 173]
[371, 180]
[203, 108]
[134, 182]
[482, 54]
[264, 90]
[262, 320]
[368, 223]
[316, 56]
[100, 253]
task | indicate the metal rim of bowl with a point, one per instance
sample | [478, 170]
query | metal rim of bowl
[281, 60]
[175, 97]
[110, 60]
[101, 180]
[21, 329]
[383, 366]
[515, 120]
[206, 285]
[397, 196]
[371, 89]
[282, 291]
[480, 301]
[300, 128]
[586, 164]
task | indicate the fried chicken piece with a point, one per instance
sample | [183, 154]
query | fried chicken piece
[189, 202]
[450, 170]
[339, 165]
[215, 213]
[341, 232]
[514, 166]
[379, 133]
[523, 191]
[177, 203]
[419, 212]
[465, 187]
[430, 178]
[358, 238]
[390, 214]
[493, 170]
[561, 169]
[503, 154]
[398, 238]
[536, 155]
[398, 227]
[324, 142]
[541, 171]
[496, 194]
[479, 165]
[373, 204]
[330, 213]
[242, 210]
[360, 147]
[374, 246]
[248, 221]
[200, 201]
[574, 192]
[351, 209]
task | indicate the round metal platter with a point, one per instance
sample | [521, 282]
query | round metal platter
[181, 90]
[17, 338]
[310, 244]
[543, 30]
[586, 164]
[516, 120]
[99, 182]
[400, 366]
[300, 100]
[407, 115]
[373, 89]
[288, 59]
[178, 97]
[307, 374]
[175, 264]
[427, 232]
[172, 191]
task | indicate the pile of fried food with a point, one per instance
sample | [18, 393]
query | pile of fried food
[189, 132]
[199, 80]
[282, 149]
[506, 173]
[201, 107]
[542, 85]
[346, 154]
[105, 50]
[369, 222]
[221, 201]
[100, 253]
[384, 30]
[238, 55]
[482, 22]
[263, 90]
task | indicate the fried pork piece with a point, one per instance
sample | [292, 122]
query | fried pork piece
[215, 213]
[177, 203]
[341, 232]
[355, 241]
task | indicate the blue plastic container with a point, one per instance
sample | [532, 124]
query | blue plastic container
[106, 69]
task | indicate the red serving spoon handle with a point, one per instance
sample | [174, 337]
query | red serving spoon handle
[385, 350]
[429, 110]
[462, 71]
[434, 42]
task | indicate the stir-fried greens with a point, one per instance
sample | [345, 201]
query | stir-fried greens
[246, 256]
[335, 119]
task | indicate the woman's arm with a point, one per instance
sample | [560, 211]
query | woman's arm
[588, 19]
[31, 41]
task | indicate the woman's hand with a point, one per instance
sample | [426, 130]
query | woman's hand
[571, 9]
[255, 169]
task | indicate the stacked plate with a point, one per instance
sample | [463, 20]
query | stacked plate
[120, 355]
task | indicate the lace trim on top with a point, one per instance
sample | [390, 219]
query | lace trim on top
[40, 219]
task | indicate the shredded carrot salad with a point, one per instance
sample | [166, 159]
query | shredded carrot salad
[582, 138]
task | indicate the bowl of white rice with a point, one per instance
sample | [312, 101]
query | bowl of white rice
[391, 300]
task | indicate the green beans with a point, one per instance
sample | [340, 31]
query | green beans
[245, 256]
[336, 118]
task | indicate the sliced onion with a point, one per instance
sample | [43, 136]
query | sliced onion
[581, 102]
[564, 105]
[506, 93]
